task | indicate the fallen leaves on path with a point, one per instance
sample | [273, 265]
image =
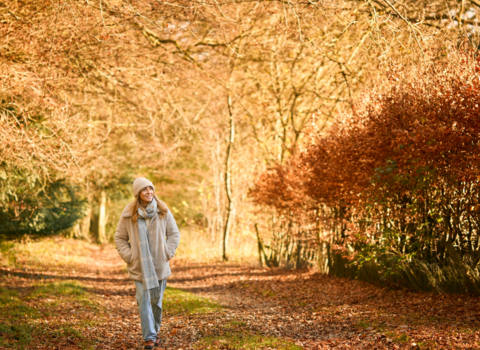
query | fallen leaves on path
[317, 311]
[263, 306]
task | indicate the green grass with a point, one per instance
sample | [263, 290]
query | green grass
[19, 314]
[235, 335]
[363, 324]
[7, 254]
[24, 309]
[71, 292]
[268, 293]
[427, 345]
[240, 340]
[398, 338]
[12, 306]
[67, 332]
[15, 336]
[176, 301]
[403, 338]
[466, 331]
[64, 288]
[367, 324]
[15, 318]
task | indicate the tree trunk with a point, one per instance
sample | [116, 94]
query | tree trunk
[261, 250]
[228, 180]
[82, 228]
[102, 218]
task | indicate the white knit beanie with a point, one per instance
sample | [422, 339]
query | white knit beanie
[140, 183]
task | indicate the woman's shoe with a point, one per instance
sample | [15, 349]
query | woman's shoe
[149, 345]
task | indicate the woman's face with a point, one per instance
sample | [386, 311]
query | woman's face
[146, 195]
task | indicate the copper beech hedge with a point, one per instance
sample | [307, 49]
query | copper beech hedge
[398, 178]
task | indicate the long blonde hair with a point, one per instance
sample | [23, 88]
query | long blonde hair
[136, 204]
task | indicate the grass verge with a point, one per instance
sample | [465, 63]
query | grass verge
[176, 301]
[237, 340]
[36, 313]
[47, 313]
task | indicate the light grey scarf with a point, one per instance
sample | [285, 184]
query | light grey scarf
[149, 276]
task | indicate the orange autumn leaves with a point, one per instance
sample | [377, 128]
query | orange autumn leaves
[404, 162]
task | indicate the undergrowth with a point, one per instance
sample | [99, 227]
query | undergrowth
[197, 246]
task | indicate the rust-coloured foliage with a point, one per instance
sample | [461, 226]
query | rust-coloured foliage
[400, 175]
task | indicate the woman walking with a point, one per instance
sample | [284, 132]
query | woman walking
[146, 239]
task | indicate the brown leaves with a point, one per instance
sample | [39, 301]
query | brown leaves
[303, 308]
[396, 164]
[320, 312]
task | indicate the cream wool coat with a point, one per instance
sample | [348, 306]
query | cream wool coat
[163, 236]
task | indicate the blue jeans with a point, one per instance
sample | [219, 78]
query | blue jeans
[150, 310]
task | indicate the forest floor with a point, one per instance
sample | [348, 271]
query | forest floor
[65, 294]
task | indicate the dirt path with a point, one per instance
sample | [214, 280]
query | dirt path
[320, 312]
[261, 305]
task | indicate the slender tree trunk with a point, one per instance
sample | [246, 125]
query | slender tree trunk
[228, 180]
[102, 218]
[217, 230]
[260, 248]
[82, 228]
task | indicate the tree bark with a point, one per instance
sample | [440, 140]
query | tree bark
[102, 218]
[228, 180]
[82, 228]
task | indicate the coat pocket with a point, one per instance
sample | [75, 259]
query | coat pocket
[128, 259]
[134, 267]
[165, 251]
[134, 255]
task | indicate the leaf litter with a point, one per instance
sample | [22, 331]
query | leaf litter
[225, 306]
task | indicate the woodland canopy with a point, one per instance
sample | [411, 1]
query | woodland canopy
[341, 134]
